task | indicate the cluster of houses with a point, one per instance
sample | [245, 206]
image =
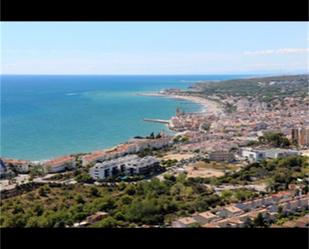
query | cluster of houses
[131, 147]
[236, 215]
[127, 165]
[190, 122]
[11, 167]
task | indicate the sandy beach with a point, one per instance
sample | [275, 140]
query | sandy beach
[209, 106]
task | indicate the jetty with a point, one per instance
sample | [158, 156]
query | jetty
[153, 120]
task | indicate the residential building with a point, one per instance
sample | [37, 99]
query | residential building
[304, 137]
[133, 146]
[280, 153]
[229, 211]
[184, 222]
[235, 222]
[300, 136]
[204, 217]
[252, 155]
[221, 156]
[295, 136]
[128, 165]
[59, 164]
[19, 166]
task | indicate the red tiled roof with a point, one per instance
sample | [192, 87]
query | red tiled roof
[59, 160]
[15, 161]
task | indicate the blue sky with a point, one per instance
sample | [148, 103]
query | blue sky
[153, 47]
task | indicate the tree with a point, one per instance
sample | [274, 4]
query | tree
[79, 199]
[259, 221]
[151, 136]
[276, 139]
[126, 200]
[130, 189]
[158, 136]
[94, 191]
[227, 195]
[43, 191]
[108, 222]
[248, 223]
[38, 209]
[84, 178]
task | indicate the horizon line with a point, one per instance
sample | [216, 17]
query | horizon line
[172, 74]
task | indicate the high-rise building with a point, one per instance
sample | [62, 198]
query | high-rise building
[294, 136]
[300, 136]
[303, 136]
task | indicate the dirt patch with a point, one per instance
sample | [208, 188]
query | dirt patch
[212, 169]
[193, 172]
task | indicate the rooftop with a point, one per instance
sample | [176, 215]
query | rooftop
[15, 161]
[210, 225]
[59, 160]
[233, 209]
[207, 215]
[187, 220]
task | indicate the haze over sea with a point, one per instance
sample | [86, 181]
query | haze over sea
[48, 116]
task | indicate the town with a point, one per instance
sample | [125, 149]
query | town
[243, 162]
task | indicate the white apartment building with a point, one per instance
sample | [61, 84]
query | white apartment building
[253, 155]
[129, 165]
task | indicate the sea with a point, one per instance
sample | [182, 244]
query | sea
[44, 116]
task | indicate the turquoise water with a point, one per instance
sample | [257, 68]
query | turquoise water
[47, 116]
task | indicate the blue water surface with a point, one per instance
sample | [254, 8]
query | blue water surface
[47, 116]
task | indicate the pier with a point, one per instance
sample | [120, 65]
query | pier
[162, 121]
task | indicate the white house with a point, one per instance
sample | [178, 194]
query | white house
[20, 166]
[252, 155]
[59, 164]
[280, 153]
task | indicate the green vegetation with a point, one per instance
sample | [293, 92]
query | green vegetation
[83, 177]
[36, 171]
[265, 89]
[261, 221]
[274, 139]
[237, 195]
[278, 173]
[154, 152]
[151, 202]
[284, 217]
[168, 163]
[151, 136]
[147, 202]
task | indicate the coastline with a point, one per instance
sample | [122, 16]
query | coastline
[208, 106]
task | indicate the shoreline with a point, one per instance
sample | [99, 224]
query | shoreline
[208, 106]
